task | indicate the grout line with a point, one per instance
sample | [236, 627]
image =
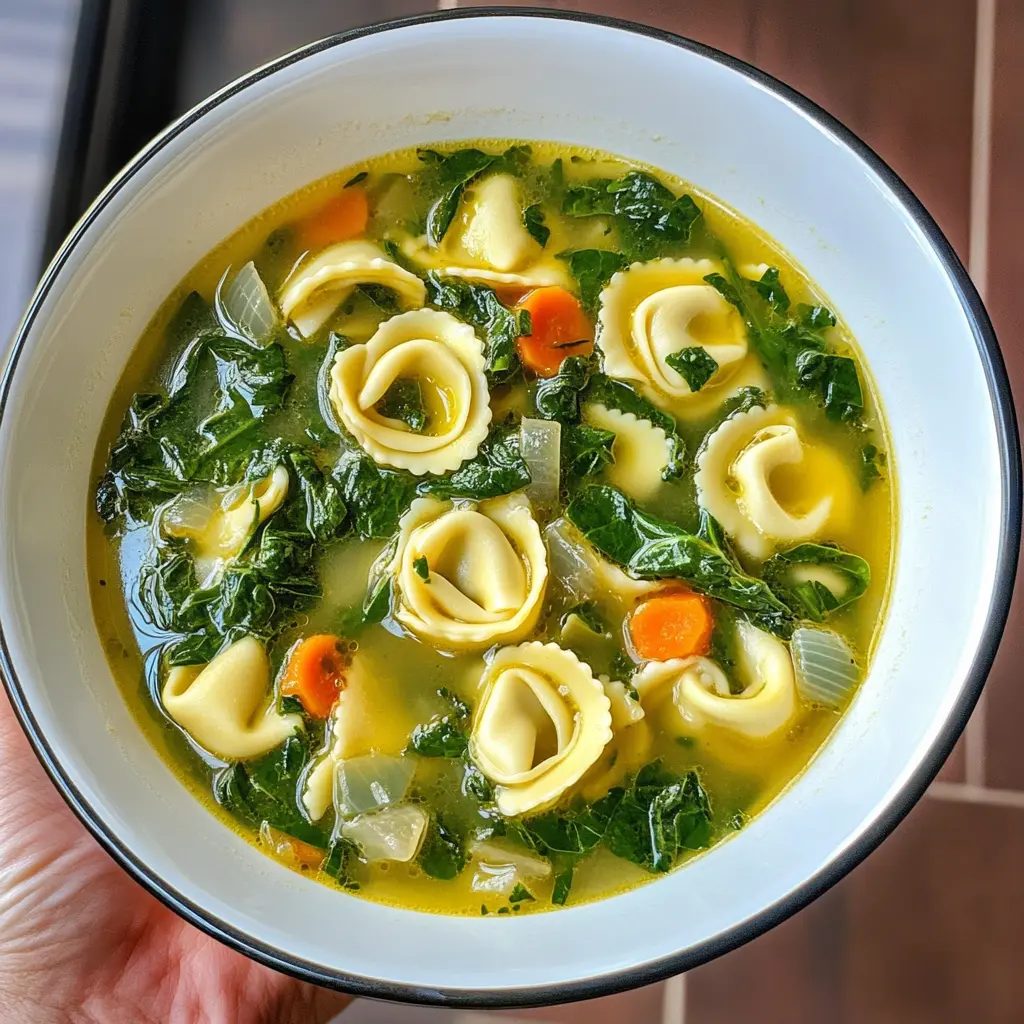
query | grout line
[977, 263]
[965, 793]
[673, 1001]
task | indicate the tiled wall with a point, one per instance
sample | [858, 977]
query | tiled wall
[931, 927]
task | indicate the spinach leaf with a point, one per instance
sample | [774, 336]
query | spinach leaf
[695, 365]
[267, 790]
[422, 567]
[454, 171]
[649, 216]
[442, 854]
[403, 401]
[445, 735]
[743, 400]
[617, 394]
[165, 583]
[356, 178]
[482, 308]
[377, 603]
[812, 598]
[835, 380]
[384, 298]
[770, 289]
[558, 397]
[533, 221]
[586, 450]
[325, 510]
[376, 497]
[258, 373]
[651, 547]
[649, 822]
[496, 469]
[587, 614]
[520, 894]
[871, 462]
[563, 883]
[592, 269]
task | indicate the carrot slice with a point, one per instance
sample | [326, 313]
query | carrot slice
[675, 625]
[558, 329]
[340, 218]
[315, 673]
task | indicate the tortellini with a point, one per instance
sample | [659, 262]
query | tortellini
[737, 482]
[446, 358]
[225, 706]
[466, 578]
[640, 450]
[488, 241]
[700, 693]
[313, 293]
[542, 722]
[219, 535]
[653, 310]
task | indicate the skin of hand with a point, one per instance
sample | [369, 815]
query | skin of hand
[81, 943]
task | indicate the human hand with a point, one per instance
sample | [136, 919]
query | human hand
[81, 942]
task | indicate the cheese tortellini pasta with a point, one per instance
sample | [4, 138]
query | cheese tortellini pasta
[651, 311]
[488, 242]
[640, 450]
[217, 535]
[466, 578]
[317, 289]
[226, 706]
[542, 721]
[445, 358]
[701, 695]
[737, 481]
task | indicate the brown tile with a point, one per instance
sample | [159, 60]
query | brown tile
[792, 975]
[641, 1006]
[1005, 766]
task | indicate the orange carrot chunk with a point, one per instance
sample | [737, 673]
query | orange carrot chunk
[558, 329]
[675, 625]
[315, 673]
[340, 218]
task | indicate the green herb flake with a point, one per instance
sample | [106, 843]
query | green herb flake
[403, 401]
[533, 221]
[442, 855]
[695, 365]
[356, 179]
[520, 894]
[421, 567]
[872, 461]
[592, 269]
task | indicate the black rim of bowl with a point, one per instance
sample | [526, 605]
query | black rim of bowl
[881, 827]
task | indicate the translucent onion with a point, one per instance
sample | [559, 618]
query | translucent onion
[367, 783]
[499, 867]
[569, 561]
[825, 668]
[246, 304]
[189, 511]
[392, 833]
[540, 444]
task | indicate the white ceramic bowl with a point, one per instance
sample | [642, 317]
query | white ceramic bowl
[763, 149]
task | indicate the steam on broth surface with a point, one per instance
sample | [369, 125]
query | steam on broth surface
[492, 528]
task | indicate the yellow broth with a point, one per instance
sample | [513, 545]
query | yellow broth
[742, 777]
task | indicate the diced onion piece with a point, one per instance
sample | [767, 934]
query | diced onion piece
[570, 562]
[366, 783]
[540, 444]
[392, 833]
[247, 305]
[188, 512]
[494, 878]
[825, 668]
[497, 854]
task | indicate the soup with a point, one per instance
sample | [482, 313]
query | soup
[491, 529]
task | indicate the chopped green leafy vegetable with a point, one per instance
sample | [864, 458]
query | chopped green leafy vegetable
[835, 379]
[442, 854]
[817, 579]
[587, 614]
[496, 469]
[592, 269]
[871, 462]
[695, 365]
[356, 178]
[421, 567]
[444, 735]
[586, 450]
[376, 497]
[533, 221]
[403, 401]
[481, 307]
[651, 547]
[558, 397]
[520, 894]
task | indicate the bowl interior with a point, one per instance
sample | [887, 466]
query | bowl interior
[590, 84]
